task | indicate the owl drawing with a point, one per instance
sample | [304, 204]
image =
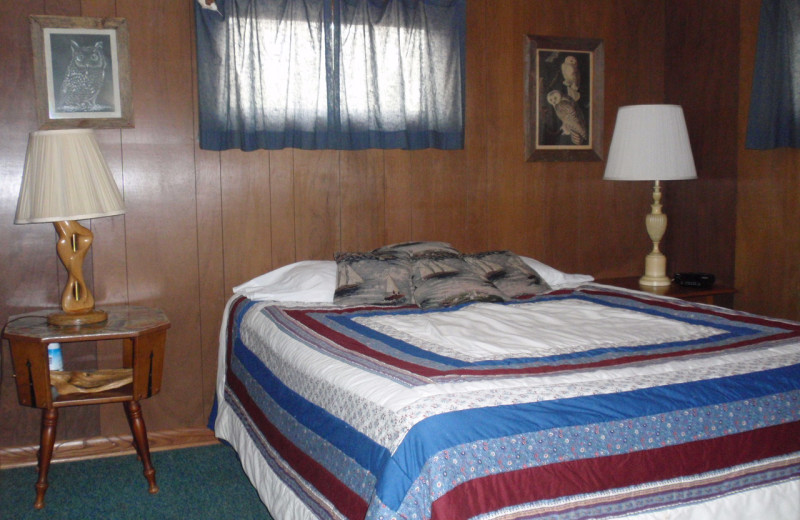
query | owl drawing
[83, 79]
[573, 123]
[572, 77]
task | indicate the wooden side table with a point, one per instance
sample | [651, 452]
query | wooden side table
[715, 295]
[143, 331]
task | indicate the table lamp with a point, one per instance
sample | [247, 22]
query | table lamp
[651, 143]
[66, 179]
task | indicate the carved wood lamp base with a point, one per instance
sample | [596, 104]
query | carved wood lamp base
[77, 319]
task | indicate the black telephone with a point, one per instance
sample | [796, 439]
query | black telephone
[699, 280]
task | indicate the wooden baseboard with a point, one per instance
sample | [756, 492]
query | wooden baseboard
[97, 447]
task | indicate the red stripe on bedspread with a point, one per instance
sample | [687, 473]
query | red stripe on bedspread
[342, 497]
[482, 495]
[306, 318]
[343, 340]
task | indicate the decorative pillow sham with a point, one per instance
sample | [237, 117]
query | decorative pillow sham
[442, 279]
[506, 271]
[373, 279]
[415, 249]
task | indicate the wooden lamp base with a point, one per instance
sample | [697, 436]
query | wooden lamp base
[76, 319]
[77, 302]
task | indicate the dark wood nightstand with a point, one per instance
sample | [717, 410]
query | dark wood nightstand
[143, 331]
[721, 295]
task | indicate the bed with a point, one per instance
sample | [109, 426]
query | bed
[417, 382]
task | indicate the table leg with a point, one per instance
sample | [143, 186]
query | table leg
[47, 439]
[136, 421]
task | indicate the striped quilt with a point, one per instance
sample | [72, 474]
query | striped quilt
[578, 403]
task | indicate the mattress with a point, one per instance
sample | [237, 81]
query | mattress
[588, 402]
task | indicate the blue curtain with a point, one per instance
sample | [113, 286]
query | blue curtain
[331, 74]
[774, 119]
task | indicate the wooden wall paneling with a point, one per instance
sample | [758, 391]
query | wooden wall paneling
[32, 269]
[317, 204]
[61, 8]
[703, 36]
[442, 184]
[282, 209]
[475, 138]
[633, 37]
[581, 188]
[98, 8]
[398, 193]
[245, 215]
[362, 200]
[29, 259]
[753, 294]
[768, 241]
[211, 283]
[161, 217]
[515, 213]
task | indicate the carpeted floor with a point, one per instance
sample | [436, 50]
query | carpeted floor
[195, 484]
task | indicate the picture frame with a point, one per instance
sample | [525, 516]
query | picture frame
[563, 99]
[81, 72]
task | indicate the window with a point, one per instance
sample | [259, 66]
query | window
[336, 74]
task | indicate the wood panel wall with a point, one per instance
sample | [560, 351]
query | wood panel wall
[703, 37]
[200, 222]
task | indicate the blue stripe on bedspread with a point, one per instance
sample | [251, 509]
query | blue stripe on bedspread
[439, 432]
[732, 330]
[369, 454]
[672, 415]
[397, 473]
[411, 365]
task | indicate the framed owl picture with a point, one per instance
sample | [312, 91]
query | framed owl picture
[82, 72]
[563, 99]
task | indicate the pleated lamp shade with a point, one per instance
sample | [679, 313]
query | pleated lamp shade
[650, 143]
[66, 178]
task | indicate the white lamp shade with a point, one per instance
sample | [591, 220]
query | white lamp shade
[650, 143]
[66, 178]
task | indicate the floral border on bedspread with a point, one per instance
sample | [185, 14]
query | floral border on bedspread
[341, 333]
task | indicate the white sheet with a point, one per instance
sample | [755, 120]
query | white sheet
[547, 329]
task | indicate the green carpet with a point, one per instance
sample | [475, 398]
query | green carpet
[194, 483]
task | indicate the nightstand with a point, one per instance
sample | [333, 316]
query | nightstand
[143, 333]
[715, 295]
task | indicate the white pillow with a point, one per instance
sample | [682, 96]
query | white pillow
[553, 276]
[306, 281]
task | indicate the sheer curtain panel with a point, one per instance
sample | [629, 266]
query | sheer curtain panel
[774, 118]
[331, 74]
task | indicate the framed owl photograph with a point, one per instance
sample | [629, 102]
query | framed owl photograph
[82, 72]
[563, 99]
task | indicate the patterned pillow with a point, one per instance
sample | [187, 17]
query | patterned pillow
[415, 249]
[373, 279]
[442, 279]
[513, 277]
